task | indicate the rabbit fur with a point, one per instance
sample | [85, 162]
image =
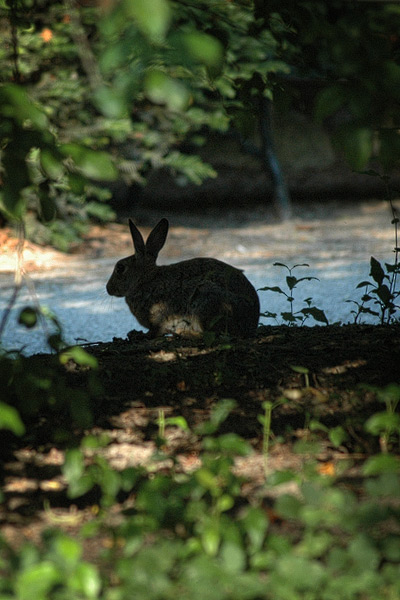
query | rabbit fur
[185, 298]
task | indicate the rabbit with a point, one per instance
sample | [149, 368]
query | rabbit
[186, 298]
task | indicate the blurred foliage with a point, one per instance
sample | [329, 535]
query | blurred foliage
[96, 91]
[350, 53]
[194, 534]
[31, 384]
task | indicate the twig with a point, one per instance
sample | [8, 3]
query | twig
[19, 272]
[87, 58]
[8, 308]
[14, 41]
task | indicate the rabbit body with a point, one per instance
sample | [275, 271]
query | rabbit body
[186, 298]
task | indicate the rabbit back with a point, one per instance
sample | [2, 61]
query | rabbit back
[193, 296]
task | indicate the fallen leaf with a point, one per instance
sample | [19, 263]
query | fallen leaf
[327, 468]
[46, 35]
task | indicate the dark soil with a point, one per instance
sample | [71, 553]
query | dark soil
[140, 379]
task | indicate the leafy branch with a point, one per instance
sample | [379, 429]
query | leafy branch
[295, 316]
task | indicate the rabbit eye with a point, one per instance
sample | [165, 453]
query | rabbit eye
[120, 268]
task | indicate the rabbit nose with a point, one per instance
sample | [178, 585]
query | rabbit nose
[110, 289]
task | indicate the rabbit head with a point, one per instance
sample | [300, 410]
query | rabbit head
[135, 266]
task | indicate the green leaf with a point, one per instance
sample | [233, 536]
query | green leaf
[163, 89]
[206, 479]
[288, 506]
[28, 317]
[381, 463]
[179, 422]
[86, 580]
[389, 154]
[16, 178]
[230, 443]
[218, 415]
[128, 478]
[232, 552]
[36, 582]
[74, 465]
[110, 483]
[80, 356]
[299, 369]
[51, 165]
[307, 279]
[363, 553]
[376, 272]
[279, 477]
[356, 143]
[288, 316]
[337, 435]
[77, 183]
[151, 16]
[16, 104]
[221, 411]
[12, 202]
[316, 313]
[191, 166]
[224, 503]
[386, 484]
[255, 524]
[48, 208]
[391, 548]
[211, 537]
[272, 289]
[93, 164]
[315, 425]
[384, 294]
[291, 281]
[329, 101]
[390, 394]
[68, 551]
[383, 422]
[111, 103]
[363, 284]
[10, 419]
[203, 48]
[303, 574]
[279, 264]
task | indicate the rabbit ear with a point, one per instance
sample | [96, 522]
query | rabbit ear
[137, 238]
[157, 237]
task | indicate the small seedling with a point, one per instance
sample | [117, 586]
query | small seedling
[337, 435]
[293, 317]
[163, 421]
[265, 421]
[303, 371]
[386, 424]
[383, 290]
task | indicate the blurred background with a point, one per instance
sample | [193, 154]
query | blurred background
[265, 131]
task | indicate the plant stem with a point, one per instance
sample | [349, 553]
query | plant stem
[266, 432]
[161, 423]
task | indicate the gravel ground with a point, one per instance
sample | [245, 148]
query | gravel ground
[335, 238]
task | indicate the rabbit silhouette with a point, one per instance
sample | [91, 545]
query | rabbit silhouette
[186, 298]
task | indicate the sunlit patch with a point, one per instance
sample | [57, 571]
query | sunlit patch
[350, 364]
[187, 326]
[327, 468]
[162, 356]
[157, 313]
